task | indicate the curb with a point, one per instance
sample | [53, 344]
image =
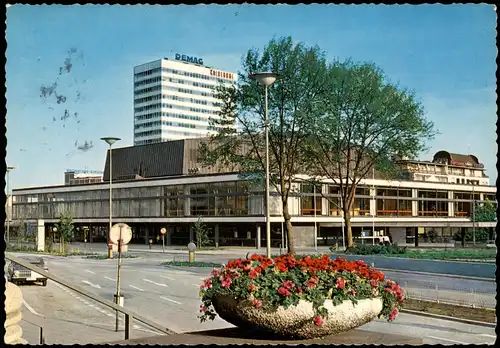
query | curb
[443, 317]
[455, 276]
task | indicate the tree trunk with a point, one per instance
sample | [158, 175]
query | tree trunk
[347, 218]
[288, 223]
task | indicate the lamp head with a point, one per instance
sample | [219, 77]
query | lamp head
[264, 78]
[110, 140]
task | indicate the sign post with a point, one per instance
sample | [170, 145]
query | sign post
[121, 234]
[163, 231]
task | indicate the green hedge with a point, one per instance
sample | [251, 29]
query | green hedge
[367, 249]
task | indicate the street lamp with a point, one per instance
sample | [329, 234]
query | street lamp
[110, 141]
[9, 203]
[266, 79]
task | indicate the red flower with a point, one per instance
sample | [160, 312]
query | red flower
[257, 303]
[215, 272]
[340, 283]
[253, 274]
[284, 292]
[203, 308]
[207, 283]
[373, 283]
[281, 266]
[251, 287]
[299, 290]
[352, 291]
[318, 321]
[288, 284]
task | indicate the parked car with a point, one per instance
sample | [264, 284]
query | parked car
[18, 274]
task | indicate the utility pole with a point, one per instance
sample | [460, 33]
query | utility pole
[473, 215]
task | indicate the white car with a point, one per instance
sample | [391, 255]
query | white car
[18, 274]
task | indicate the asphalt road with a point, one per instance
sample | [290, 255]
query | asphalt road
[470, 269]
[169, 296]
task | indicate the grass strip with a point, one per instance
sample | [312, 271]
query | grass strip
[463, 312]
[189, 264]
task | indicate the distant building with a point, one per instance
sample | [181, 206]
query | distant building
[173, 99]
[82, 176]
[446, 167]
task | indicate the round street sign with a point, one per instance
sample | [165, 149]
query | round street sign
[163, 230]
[120, 231]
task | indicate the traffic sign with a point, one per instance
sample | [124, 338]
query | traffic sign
[120, 231]
[163, 230]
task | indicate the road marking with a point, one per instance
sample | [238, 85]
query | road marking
[31, 309]
[447, 339]
[135, 287]
[167, 277]
[159, 284]
[112, 279]
[167, 299]
[97, 286]
[89, 271]
[488, 335]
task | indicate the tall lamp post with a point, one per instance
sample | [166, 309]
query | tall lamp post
[266, 79]
[110, 141]
[9, 203]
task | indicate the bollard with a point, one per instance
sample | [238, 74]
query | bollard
[191, 247]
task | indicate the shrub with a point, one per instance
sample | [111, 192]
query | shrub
[285, 280]
[367, 249]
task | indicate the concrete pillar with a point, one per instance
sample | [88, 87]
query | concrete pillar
[216, 230]
[170, 231]
[191, 233]
[187, 202]
[414, 204]
[13, 316]
[451, 205]
[257, 238]
[147, 235]
[40, 238]
[373, 202]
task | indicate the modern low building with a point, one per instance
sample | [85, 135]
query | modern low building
[163, 185]
[174, 99]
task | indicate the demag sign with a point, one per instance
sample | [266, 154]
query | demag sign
[188, 59]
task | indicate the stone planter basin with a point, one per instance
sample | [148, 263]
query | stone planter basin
[297, 322]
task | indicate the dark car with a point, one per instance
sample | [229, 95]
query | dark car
[18, 274]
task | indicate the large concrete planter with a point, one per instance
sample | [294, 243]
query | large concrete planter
[13, 303]
[297, 321]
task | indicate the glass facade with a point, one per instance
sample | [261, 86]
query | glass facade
[394, 202]
[233, 198]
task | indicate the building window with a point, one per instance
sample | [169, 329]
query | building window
[310, 201]
[396, 203]
[432, 203]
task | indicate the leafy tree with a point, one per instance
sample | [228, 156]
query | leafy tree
[486, 212]
[366, 123]
[65, 229]
[291, 99]
[201, 233]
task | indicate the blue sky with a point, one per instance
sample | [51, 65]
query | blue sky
[445, 53]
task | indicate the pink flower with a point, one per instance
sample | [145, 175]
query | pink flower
[257, 303]
[374, 283]
[318, 321]
[393, 314]
[388, 290]
[312, 282]
[215, 272]
[284, 292]
[203, 308]
[299, 290]
[340, 283]
[226, 282]
[289, 284]
[353, 292]
[251, 287]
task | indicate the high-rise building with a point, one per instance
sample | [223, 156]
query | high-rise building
[173, 99]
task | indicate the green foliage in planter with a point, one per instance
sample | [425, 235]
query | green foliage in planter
[285, 280]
